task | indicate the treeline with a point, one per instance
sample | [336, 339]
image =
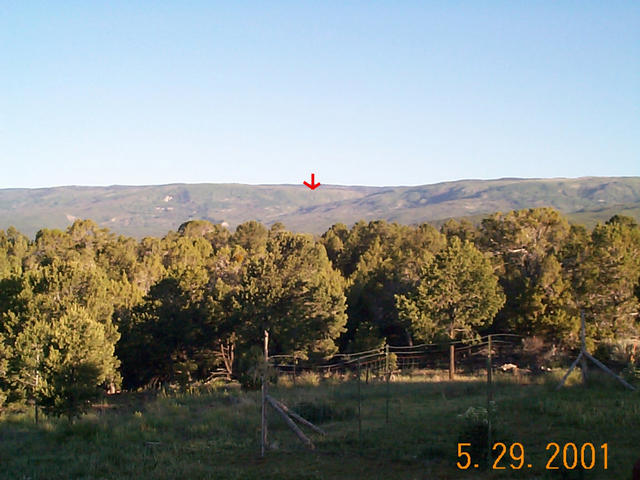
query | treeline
[84, 310]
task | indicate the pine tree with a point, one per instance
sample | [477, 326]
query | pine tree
[56, 320]
[293, 292]
[64, 362]
[457, 294]
[379, 260]
[608, 277]
[528, 248]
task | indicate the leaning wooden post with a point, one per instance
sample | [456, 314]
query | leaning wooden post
[583, 358]
[299, 433]
[608, 370]
[265, 379]
[566, 375]
[295, 416]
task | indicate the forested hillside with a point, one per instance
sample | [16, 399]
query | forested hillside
[84, 309]
[155, 210]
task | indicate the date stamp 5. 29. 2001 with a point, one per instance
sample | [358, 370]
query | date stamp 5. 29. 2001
[567, 456]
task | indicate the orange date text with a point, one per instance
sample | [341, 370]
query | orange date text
[566, 456]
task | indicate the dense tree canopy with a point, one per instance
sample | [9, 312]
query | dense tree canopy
[84, 308]
[379, 260]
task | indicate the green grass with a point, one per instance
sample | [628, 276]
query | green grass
[215, 434]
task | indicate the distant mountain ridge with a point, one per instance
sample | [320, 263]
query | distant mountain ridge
[153, 210]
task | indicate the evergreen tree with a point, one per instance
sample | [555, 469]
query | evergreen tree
[527, 247]
[14, 248]
[181, 331]
[54, 318]
[457, 295]
[149, 268]
[217, 235]
[380, 260]
[160, 336]
[463, 229]
[607, 279]
[251, 236]
[64, 361]
[293, 292]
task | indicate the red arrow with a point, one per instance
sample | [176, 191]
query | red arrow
[313, 185]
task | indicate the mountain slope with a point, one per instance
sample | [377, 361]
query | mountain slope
[474, 197]
[154, 210]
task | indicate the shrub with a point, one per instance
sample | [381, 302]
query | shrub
[311, 379]
[249, 368]
[618, 352]
[320, 411]
[631, 373]
[474, 429]
[536, 354]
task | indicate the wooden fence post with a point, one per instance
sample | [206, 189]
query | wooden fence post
[295, 364]
[489, 371]
[452, 360]
[359, 407]
[388, 369]
[489, 397]
[583, 359]
[265, 379]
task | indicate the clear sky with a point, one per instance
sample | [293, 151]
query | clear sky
[359, 92]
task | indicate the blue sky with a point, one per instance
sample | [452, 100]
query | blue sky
[359, 92]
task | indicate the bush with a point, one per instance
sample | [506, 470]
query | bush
[474, 429]
[320, 412]
[249, 368]
[631, 373]
[310, 379]
[617, 352]
[393, 362]
[535, 354]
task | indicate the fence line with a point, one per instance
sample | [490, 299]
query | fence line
[426, 355]
[386, 361]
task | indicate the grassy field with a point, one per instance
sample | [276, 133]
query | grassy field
[214, 433]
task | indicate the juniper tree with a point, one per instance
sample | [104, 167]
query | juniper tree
[63, 362]
[293, 292]
[56, 320]
[608, 279]
[527, 248]
[457, 294]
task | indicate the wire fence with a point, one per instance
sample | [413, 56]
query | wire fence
[367, 389]
[468, 358]
[389, 391]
